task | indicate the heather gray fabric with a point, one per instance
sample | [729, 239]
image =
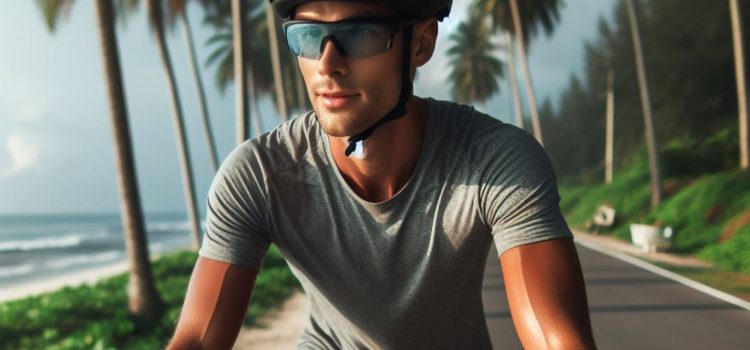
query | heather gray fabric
[401, 274]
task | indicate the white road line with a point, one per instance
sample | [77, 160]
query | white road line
[665, 273]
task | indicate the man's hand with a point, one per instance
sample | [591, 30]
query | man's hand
[547, 296]
[215, 305]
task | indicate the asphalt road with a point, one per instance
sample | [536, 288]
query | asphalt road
[631, 308]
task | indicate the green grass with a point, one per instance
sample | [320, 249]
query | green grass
[703, 194]
[733, 255]
[698, 213]
[96, 317]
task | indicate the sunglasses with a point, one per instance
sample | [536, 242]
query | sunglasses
[355, 38]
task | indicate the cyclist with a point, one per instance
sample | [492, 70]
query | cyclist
[385, 204]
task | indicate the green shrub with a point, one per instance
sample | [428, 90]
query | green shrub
[706, 193]
[734, 254]
[691, 157]
[96, 316]
[699, 211]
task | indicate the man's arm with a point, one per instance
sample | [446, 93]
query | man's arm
[547, 295]
[215, 305]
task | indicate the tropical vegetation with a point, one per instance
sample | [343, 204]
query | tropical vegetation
[91, 316]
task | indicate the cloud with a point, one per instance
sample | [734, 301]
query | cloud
[23, 152]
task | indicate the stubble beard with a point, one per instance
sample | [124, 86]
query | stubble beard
[344, 124]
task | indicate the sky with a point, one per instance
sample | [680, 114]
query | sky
[56, 151]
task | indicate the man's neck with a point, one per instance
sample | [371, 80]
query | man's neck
[389, 157]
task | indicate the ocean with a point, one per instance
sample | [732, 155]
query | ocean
[38, 247]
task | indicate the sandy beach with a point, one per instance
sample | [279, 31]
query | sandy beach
[76, 278]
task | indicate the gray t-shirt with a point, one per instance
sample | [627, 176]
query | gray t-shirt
[405, 273]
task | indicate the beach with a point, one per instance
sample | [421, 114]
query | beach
[51, 284]
[43, 253]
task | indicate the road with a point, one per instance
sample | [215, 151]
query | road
[632, 308]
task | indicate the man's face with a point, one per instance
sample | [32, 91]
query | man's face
[348, 94]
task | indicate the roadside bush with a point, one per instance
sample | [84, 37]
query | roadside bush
[733, 254]
[690, 157]
[96, 316]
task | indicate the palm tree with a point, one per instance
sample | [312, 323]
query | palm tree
[241, 50]
[739, 65]
[474, 70]
[609, 147]
[144, 303]
[648, 121]
[176, 11]
[156, 19]
[523, 22]
[511, 52]
[276, 62]
[260, 69]
[223, 55]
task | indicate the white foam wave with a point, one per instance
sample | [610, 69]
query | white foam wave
[163, 226]
[156, 247]
[16, 270]
[67, 240]
[166, 226]
[83, 259]
[41, 243]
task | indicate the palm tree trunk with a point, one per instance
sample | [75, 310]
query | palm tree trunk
[154, 8]
[609, 151]
[276, 63]
[255, 115]
[653, 155]
[739, 69]
[239, 9]
[187, 34]
[144, 303]
[526, 72]
[514, 80]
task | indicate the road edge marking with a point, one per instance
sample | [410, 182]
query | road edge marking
[665, 273]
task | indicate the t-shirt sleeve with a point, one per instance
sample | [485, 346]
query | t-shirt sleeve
[518, 191]
[236, 221]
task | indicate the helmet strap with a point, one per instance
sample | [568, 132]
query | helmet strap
[406, 92]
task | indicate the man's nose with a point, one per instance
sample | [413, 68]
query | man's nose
[331, 61]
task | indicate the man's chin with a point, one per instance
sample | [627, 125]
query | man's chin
[332, 124]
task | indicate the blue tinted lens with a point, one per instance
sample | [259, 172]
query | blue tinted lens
[356, 39]
[362, 39]
[304, 40]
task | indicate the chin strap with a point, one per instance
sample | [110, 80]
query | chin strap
[400, 109]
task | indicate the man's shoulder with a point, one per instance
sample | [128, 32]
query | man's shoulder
[281, 147]
[477, 131]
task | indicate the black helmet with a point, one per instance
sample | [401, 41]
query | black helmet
[416, 8]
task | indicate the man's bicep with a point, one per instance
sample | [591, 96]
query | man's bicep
[547, 295]
[215, 305]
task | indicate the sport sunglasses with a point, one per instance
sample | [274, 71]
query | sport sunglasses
[355, 38]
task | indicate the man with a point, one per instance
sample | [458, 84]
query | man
[385, 204]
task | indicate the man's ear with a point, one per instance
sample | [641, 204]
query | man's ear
[424, 36]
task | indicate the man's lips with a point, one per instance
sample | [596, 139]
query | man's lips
[336, 100]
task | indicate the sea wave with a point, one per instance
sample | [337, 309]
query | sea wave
[166, 226]
[67, 240]
[17, 270]
[171, 226]
[41, 243]
[83, 259]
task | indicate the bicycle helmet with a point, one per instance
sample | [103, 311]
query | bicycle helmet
[414, 8]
